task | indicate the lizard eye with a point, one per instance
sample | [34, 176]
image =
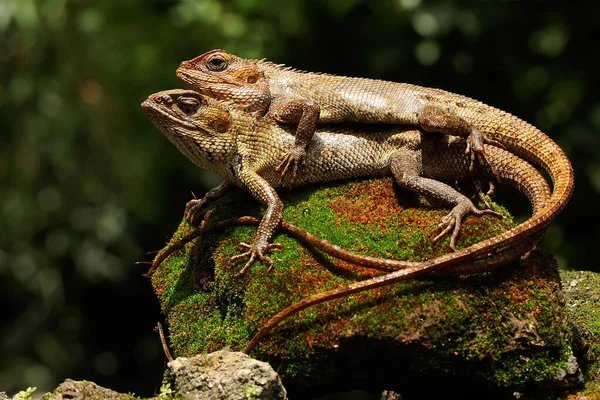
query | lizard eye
[252, 79]
[217, 63]
[188, 105]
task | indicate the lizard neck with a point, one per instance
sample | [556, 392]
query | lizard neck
[211, 152]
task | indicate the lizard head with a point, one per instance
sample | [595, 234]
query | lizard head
[224, 76]
[199, 126]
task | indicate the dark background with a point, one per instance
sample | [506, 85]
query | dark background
[88, 185]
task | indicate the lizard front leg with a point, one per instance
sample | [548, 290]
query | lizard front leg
[435, 119]
[405, 168]
[261, 190]
[193, 208]
[306, 114]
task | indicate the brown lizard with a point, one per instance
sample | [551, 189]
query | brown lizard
[244, 152]
[306, 98]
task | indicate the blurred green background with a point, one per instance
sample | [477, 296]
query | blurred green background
[88, 185]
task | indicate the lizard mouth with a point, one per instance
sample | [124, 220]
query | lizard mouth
[160, 110]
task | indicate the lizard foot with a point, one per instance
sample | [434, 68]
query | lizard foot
[290, 163]
[476, 151]
[255, 253]
[478, 195]
[453, 220]
[193, 211]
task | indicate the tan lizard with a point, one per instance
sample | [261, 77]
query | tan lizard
[245, 152]
[306, 98]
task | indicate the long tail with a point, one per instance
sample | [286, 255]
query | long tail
[491, 252]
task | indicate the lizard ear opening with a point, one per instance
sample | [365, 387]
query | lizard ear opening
[224, 123]
[252, 78]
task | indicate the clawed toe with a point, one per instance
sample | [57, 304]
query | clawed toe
[488, 212]
[192, 210]
[453, 222]
[479, 157]
[493, 142]
[255, 253]
[480, 196]
[476, 151]
[290, 164]
[448, 223]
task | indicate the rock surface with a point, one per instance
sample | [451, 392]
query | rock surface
[71, 389]
[225, 375]
[498, 331]
[228, 369]
[582, 292]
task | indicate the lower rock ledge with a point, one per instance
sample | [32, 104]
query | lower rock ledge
[220, 375]
[224, 375]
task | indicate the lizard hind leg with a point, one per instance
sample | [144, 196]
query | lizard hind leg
[435, 119]
[405, 167]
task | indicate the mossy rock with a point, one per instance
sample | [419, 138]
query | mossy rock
[582, 292]
[501, 330]
[71, 389]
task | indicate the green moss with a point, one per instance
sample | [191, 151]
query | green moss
[251, 393]
[582, 292]
[505, 328]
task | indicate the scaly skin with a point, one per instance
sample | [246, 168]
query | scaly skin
[287, 95]
[245, 152]
[306, 98]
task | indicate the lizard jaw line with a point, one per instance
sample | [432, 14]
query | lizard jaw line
[152, 107]
[191, 76]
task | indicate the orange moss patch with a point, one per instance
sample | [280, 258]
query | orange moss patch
[368, 202]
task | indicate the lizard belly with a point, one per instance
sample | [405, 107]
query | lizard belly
[335, 156]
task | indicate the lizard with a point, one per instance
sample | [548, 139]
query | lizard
[307, 98]
[226, 142]
[243, 151]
